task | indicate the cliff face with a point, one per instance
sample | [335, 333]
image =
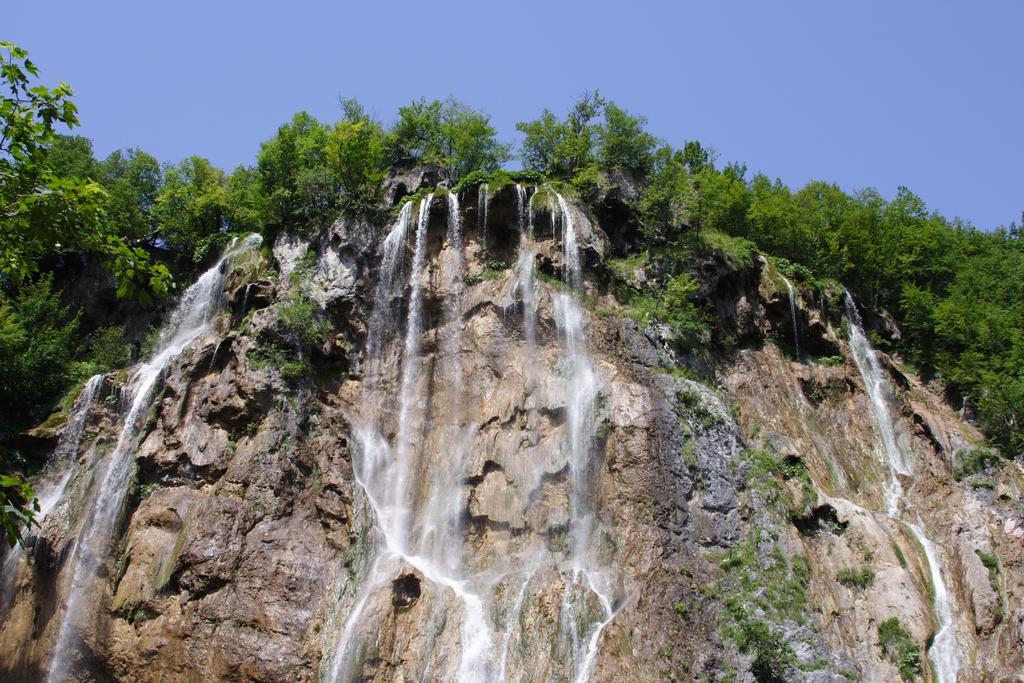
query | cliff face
[475, 468]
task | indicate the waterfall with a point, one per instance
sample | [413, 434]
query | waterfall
[455, 268]
[481, 214]
[416, 494]
[375, 470]
[410, 379]
[530, 213]
[581, 419]
[877, 387]
[524, 284]
[388, 290]
[522, 208]
[385, 476]
[943, 652]
[441, 519]
[792, 315]
[51, 492]
[572, 249]
[189, 320]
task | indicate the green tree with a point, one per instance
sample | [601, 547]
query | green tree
[70, 156]
[355, 153]
[38, 338]
[245, 204]
[191, 207]
[416, 135]
[540, 146]
[42, 213]
[697, 157]
[625, 144]
[667, 199]
[447, 133]
[299, 188]
[562, 149]
[470, 142]
[133, 180]
[722, 200]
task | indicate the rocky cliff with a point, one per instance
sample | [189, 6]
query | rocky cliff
[442, 450]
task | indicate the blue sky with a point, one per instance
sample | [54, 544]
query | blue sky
[882, 94]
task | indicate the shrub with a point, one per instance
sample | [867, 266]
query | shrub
[853, 578]
[736, 251]
[300, 320]
[773, 656]
[899, 646]
[976, 460]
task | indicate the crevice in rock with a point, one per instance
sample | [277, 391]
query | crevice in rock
[405, 591]
[488, 467]
[820, 519]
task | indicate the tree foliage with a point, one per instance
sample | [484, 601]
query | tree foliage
[355, 152]
[596, 135]
[42, 212]
[447, 133]
[191, 208]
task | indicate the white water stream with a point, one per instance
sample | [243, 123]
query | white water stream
[417, 500]
[106, 502]
[420, 533]
[943, 653]
[792, 316]
[587, 576]
[51, 490]
[481, 212]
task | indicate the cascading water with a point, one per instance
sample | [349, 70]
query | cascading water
[792, 316]
[525, 287]
[51, 491]
[440, 521]
[105, 504]
[404, 445]
[481, 212]
[582, 394]
[455, 266]
[943, 651]
[572, 251]
[388, 291]
[421, 535]
[878, 391]
[415, 485]
[522, 208]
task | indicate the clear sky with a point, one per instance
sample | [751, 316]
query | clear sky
[924, 94]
